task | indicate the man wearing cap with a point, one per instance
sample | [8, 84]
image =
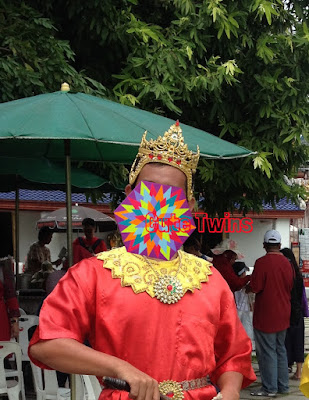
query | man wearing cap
[136, 334]
[272, 281]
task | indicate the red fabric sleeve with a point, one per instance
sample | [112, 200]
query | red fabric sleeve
[235, 282]
[63, 315]
[226, 270]
[232, 347]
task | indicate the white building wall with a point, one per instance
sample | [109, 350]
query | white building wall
[251, 244]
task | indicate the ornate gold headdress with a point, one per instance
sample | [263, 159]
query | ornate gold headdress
[168, 149]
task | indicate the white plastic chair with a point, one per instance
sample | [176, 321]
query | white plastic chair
[14, 373]
[25, 323]
[46, 385]
[13, 388]
[92, 386]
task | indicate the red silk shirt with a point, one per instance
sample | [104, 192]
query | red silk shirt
[198, 336]
[226, 270]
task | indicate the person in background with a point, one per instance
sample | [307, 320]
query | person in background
[39, 253]
[38, 280]
[295, 334]
[225, 255]
[89, 245]
[9, 308]
[114, 240]
[272, 282]
[193, 246]
[243, 299]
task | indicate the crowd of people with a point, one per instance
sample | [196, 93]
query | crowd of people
[275, 294]
[38, 261]
[114, 321]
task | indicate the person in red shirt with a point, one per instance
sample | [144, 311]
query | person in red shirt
[138, 334]
[89, 245]
[272, 281]
[225, 255]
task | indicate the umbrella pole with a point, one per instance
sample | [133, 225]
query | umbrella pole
[68, 200]
[16, 234]
[67, 151]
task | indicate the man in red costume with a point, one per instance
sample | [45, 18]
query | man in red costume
[89, 245]
[136, 335]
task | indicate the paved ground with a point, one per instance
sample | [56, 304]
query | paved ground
[294, 394]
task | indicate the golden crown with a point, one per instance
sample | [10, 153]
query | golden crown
[168, 149]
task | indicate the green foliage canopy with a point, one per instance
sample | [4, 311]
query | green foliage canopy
[237, 69]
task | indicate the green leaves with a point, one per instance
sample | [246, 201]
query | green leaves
[264, 51]
[266, 9]
[32, 60]
[261, 162]
[145, 31]
[237, 69]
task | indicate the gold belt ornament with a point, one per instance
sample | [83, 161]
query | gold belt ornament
[176, 390]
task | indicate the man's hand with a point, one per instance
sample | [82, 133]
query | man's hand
[143, 387]
[57, 262]
[15, 329]
[248, 288]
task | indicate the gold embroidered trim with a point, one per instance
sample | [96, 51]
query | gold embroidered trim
[133, 271]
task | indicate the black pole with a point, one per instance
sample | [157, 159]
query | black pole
[68, 200]
[16, 234]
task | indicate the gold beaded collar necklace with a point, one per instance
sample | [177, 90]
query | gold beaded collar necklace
[146, 275]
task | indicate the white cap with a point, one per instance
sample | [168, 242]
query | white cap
[272, 237]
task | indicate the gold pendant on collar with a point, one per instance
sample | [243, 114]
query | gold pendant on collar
[168, 289]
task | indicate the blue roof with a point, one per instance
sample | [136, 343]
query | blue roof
[59, 196]
[282, 205]
[48, 195]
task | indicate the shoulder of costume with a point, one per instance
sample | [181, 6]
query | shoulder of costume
[194, 260]
[121, 251]
[112, 254]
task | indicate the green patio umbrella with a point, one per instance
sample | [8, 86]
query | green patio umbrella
[99, 129]
[88, 128]
[33, 173]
